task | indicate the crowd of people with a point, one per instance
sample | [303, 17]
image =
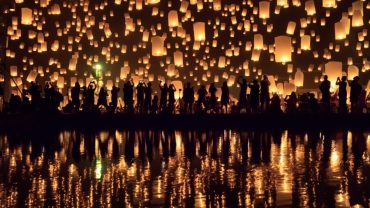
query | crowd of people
[146, 102]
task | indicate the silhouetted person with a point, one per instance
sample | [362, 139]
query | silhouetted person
[202, 93]
[75, 95]
[313, 103]
[154, 106]
[84, 98]
[140, 96]
[342, 93]
[26, 103]
[48, 92]
[56, 98]
[255, 91]
[35, 93]
[128, 96]
[171, 98]
[90, 95]
[225, 96]
[275, 104]
[243, 93]
[188, 98]
[148, 96]
[213, 99]
[14, 103]
[291, 102]
[265, 93]
[114, 92]
[356, 89]
[325, 91]
[164, 93]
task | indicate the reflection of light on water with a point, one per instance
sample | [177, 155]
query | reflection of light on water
[98, 168]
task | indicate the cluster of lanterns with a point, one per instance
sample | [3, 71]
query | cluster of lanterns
[189, 40]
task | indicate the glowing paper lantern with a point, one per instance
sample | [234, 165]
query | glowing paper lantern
[357, 19]
[299, 78]
[217, 5]
[178, 58]
[258, 42]
[27, 16]
[60, 82]
[264, 9]
[199, 30]
[306, 42]
[291, 28]
[158, 48]
[329, 3]
[171, 70]
[13, 71]
[178, 85]
[352, 72]
[32, 76]
[333, 70]
[340, 31]
[173, 19]
[221, 62]
[283, 49]
[310, 7]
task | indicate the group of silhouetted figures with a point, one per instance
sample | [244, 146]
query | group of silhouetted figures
[258, 100]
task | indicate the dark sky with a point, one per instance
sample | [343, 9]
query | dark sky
[207, 14]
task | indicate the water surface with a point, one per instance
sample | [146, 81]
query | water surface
[185, 169]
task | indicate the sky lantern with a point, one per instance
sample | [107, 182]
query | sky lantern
[171, 70]
[221, 62]
[352, 72]
[291, 28]
[178, 58]
[329, 3]
[264, 9]
[173, 19]
[27, 16]
[310, 7]
[199, 30]
[258, 42]
[299, 78]
[288, 88]
[357, 19]
[158, 48]
[179, 86]
[217, 5]
[333, 70]
[306, 42]
[153, 1]
[283, 49]
[282, 3]
[340, 31]
[13, 71]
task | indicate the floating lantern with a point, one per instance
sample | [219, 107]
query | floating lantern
[199, 31]
[352, 72]
[291, 28]
[333, 70]
[299, 78]
[27, 16]
[264, 9]
[329, 3]
[258, 42]
[158, 48]
[178, 58]
[340, 31]
[283, 49]
[306, 42]
[173, 19]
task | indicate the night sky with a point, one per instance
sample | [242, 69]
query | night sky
[227, 26]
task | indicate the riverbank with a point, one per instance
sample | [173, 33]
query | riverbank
[38, 121]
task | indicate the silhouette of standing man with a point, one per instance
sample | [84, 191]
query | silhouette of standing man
[325, 91]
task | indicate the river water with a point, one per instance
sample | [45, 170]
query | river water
[222, 168]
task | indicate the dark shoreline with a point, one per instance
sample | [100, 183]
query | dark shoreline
[83, 121]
